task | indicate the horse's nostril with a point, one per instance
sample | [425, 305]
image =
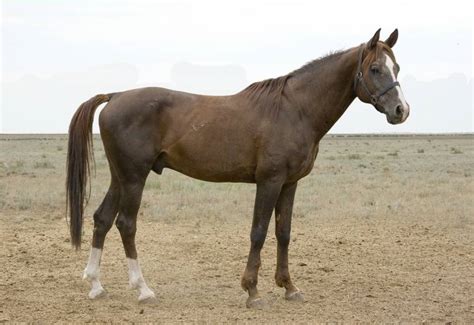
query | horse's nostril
[398, 110]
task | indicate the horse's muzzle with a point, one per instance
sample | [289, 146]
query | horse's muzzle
[399, 114]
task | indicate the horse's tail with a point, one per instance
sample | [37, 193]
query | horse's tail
[79, 152]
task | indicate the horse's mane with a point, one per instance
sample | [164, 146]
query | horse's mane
[314, 64]
[269, 92]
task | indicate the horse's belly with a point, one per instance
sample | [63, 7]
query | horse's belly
[214, 163]
[213, 171]
[241, 175]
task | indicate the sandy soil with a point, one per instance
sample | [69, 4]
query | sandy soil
[382, 232]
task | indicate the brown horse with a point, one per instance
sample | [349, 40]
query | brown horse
[266, 134]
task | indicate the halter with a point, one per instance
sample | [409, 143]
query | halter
[374, 98]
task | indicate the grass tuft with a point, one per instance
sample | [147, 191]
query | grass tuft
[354, 156]
[43, 165]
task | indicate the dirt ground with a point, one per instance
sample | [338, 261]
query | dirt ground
[382, 232]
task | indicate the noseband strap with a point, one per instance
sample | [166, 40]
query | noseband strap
[359, 78]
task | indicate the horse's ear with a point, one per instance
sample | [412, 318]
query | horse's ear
[392, 39]
[373, 41]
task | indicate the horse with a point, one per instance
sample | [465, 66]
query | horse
[267, 134]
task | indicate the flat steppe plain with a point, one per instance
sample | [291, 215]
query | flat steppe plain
[382, 232]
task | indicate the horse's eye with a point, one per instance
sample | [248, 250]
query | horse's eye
[374, 69]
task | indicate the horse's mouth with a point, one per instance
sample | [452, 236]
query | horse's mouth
[396, 120]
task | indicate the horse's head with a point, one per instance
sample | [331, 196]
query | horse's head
[376, 78]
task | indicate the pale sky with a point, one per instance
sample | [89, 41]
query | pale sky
[57, 54]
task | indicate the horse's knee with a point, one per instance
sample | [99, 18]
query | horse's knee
[257, 238]
[283, 238]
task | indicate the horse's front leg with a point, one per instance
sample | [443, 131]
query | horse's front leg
[266, 197]
[283, 212]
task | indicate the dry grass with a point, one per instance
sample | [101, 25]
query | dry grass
[382, 232]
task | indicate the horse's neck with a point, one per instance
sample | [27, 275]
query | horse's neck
[325, 93]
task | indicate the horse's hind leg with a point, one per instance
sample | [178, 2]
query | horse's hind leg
[103, 220]
[131, 195]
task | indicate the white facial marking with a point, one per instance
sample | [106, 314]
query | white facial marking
[92, 272]
[137, 281]
[390, 65]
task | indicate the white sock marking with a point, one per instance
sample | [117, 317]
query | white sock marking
[92, 273]
[137, 281]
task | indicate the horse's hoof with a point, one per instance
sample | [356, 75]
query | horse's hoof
[294, 296]
[146, 297]
[97, 293]
[256, 303]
